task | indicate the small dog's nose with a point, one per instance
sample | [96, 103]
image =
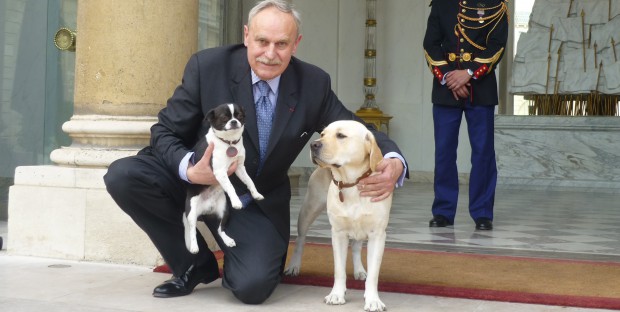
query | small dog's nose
[316, 145]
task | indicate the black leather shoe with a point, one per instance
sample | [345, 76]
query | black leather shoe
[185, 284]
[438, 221]
[484, 224]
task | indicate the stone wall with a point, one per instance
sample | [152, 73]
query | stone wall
[555, 151]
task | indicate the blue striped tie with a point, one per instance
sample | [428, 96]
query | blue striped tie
[264, 116]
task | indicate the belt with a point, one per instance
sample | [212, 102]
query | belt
[463, 56]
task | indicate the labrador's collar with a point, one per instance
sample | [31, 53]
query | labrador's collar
[342, 185]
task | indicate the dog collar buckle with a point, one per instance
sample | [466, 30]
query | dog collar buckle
[231, 151]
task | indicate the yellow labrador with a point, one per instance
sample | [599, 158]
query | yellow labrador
[346, 153]
[315, 203]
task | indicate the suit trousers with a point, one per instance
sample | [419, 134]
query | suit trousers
[155, 199]
[483, 174]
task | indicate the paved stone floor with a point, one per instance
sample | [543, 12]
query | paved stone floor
[568, 223]
[560, 224]
[35, 284]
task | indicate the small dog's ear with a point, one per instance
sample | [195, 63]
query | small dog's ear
[210, 116]
[373, 149]
[240, 113]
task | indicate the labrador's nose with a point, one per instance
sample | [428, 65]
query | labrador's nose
[316, 145]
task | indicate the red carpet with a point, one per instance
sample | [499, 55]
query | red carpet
[573, 283]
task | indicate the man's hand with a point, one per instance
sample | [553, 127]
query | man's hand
[381, 185]
[202, 173]
[462, 92]
[457, 79]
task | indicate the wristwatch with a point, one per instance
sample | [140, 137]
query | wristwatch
[469, 72]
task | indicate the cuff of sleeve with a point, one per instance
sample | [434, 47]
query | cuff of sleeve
[481, 71]
[443, 79]
[401, 179]
[437, 73]
[183, 166]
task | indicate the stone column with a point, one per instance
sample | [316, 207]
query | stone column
[130, 57]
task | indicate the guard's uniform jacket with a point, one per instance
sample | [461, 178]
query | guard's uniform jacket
[466, 34]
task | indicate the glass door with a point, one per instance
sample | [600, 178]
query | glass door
[36, 85]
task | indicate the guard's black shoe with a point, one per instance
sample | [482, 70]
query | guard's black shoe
[484, 224]
[438, 221]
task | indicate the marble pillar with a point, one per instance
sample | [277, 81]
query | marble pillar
[130, 56]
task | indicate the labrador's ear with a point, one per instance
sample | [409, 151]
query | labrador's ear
[373, 151]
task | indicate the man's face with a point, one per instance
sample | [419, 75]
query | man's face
[271, 40]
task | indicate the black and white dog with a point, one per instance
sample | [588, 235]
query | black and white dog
[226, 128]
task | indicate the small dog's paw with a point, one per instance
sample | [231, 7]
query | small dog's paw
[374, 305]
[236, 203]
[194, 248]
[257, 196]
[335, 298]
[292, 271]
[229, 241]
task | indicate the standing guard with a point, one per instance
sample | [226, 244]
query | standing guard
[463, 43]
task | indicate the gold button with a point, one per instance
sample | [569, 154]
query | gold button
[462, 50]
[462, 40]
[461, 60]
[463, 10]
[462, 20]
[464, 2]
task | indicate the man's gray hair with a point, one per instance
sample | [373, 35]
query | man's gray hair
[282, 5]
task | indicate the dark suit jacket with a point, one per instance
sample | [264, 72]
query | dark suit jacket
[305, 104]
[444, 36]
